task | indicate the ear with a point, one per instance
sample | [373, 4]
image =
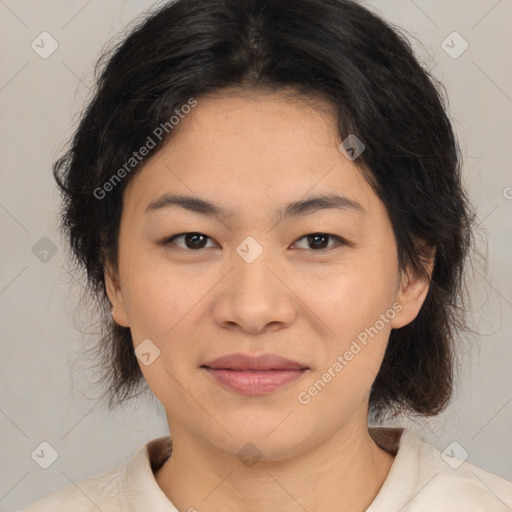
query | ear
[115, 295]
[413, 290]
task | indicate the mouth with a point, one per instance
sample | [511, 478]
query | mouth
[254, 375]
[254, 382]
[249, 362]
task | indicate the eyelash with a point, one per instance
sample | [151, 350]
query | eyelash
[169, 240]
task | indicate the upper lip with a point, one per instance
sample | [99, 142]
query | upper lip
[251, 362]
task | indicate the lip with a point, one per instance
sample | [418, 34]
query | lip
[257, 382]
[254, 375]
[240, 361]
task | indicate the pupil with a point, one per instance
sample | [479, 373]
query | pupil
[316, 237]
[194, 237]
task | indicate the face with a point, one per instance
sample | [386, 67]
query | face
[317, 283]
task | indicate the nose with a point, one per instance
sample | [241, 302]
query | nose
[255, 296]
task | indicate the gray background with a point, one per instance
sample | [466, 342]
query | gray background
[44, 386]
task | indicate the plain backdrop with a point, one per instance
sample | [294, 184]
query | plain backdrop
[44, 393]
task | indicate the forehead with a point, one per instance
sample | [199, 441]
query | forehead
[231, 109]
[254, 146]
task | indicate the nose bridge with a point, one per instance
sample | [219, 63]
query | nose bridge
[251, 260]
[255, 295]
[250, 249]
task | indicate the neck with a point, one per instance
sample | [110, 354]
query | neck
[344, 472]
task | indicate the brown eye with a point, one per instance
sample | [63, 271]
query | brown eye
[192, 241]
[319, 241]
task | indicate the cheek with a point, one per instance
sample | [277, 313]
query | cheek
[163, 306]
[157, 298]
[161, 309]
[358, 312]
[353, 295]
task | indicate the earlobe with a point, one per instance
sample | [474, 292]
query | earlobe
[115, 296]
[411, 295]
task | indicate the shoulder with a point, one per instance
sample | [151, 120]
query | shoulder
[452, 479]
[423, 479]
[100, 492]
[129, 486]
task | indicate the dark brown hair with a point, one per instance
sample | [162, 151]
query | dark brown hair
[335, 49]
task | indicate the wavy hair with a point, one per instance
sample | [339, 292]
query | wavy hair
[334, 49]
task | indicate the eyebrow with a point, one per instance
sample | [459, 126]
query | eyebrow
[294, 209]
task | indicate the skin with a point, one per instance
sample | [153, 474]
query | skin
[253, 153]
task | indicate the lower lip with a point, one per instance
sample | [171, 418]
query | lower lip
[255, 382]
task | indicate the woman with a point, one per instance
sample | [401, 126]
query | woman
[266, 197]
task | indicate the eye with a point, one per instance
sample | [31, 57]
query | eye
[318, 240]
[196, 241]
[193, 240]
